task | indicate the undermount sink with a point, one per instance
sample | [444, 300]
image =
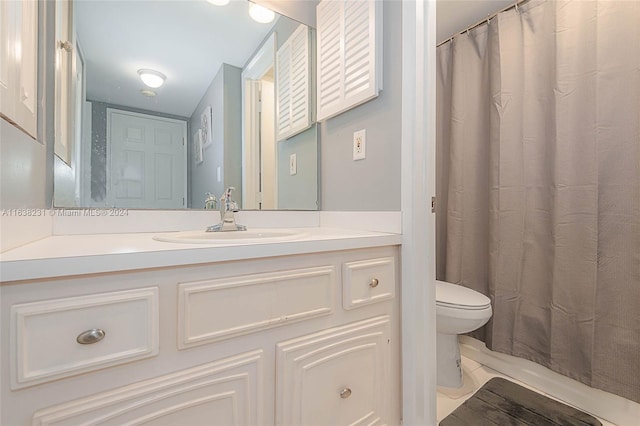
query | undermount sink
[249, 236]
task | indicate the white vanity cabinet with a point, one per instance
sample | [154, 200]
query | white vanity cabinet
[249, 342]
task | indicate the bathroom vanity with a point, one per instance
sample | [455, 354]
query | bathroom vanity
[124, 329]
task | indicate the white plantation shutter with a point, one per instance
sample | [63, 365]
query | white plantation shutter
[283, 91]
[349, 54]
[293, 84]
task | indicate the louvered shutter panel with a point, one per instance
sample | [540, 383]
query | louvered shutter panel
[293, 84]
[283, 90]
[349, 54]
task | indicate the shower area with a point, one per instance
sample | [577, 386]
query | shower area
[538, 184]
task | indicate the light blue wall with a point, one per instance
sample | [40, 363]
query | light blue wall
[224, 95]
[372, 183]
[22, 169]
[298, 192]
[369, 184]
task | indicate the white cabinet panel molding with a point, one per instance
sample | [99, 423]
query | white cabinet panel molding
[293, 88]
[349, 54]
[368, 281]
[337, 376]
[225, 392]
[46, 342]
[213, 310]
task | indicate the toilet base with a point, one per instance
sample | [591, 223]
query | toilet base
[449, 365]
[469, 385]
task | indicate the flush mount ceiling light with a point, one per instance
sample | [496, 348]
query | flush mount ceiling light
[219, 2]
[152, 78]
[147, 93]
[261, 14]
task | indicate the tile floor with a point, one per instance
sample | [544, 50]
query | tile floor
[475, 375]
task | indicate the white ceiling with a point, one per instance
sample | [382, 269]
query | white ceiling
[454, 16]
[186, 40]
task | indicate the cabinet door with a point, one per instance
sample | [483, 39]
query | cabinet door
[294, 84]
[18, 63]
[349, 54]
[221, 393]
[335, 377]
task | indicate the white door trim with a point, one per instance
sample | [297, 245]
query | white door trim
[418, 223]
[260, 64]
[109, 194]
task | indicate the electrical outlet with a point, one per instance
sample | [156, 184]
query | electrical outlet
[293, 164]
[359, 144]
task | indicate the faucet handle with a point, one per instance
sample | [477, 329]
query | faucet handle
[226, 202]
[227, 193]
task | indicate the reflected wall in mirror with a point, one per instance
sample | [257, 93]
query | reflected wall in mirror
[213, 120]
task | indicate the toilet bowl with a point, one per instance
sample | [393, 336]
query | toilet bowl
[458, 310]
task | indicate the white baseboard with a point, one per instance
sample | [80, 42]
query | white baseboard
[605, 405]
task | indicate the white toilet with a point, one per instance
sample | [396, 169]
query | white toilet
[458, 310]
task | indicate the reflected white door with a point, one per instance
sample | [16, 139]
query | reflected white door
[147, 161]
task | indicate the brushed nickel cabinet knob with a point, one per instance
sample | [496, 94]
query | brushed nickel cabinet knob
[345, 393]
[90, 336]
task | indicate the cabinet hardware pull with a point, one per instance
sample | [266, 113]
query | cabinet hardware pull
[374, 283]
[90, 336]
[345, 393]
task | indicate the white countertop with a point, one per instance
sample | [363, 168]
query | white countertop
[65, 255]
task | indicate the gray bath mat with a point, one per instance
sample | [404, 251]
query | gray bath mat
[501, 402]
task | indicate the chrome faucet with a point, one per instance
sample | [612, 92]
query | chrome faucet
[227, 219]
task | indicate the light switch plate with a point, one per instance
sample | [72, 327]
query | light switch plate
[293, 164]
[359, 144]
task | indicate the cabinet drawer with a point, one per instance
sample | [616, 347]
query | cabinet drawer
[45, 335]
[368, 281]
[213, 310]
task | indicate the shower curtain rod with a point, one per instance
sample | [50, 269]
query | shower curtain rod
[487, 20]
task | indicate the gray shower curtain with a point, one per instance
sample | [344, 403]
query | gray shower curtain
[539, 184]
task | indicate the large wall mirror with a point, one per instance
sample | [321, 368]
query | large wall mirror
[174, 100]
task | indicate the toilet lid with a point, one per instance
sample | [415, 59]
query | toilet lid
[460, 297]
